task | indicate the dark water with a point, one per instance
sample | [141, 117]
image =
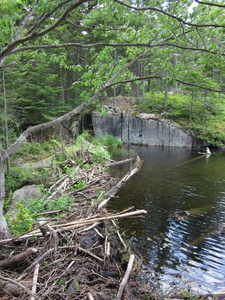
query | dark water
[191, 252]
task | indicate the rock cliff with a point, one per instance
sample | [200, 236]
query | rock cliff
[142, 129]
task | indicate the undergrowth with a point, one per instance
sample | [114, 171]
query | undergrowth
[84, 153]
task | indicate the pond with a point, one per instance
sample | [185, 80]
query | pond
[182, 237]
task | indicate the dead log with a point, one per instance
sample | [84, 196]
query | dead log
[83, 222]
[17, 258]
[125, 278]
[35, 279]
[121, 162]
[136, 168]
[15, 283]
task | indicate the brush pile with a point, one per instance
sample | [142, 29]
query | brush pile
[74, 254]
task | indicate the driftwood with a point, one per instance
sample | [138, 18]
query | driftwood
[35, 279]
[136, 168]
[121, 162]
[17, 258]
[88, 221]
[125, 278]
[112, 192]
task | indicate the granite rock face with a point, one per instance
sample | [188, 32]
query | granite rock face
[142, 129]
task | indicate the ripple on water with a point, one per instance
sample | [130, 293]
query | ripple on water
[192, 251]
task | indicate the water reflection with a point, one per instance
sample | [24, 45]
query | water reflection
[192, 249]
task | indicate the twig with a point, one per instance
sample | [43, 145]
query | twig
[90, 253]
[54, 240]
[119, 235]
[90, 296]
[80, 223]
[37, 261]
[107, 247]
[125, 278]
[35, 278]
[24, 234]
[89, 228]
[136, 168]
[59, 189]
[57, 182]
[103, 203]
[96, 230]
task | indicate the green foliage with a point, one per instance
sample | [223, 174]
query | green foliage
[154, 102]
[80, 184]
[30, 148]
[109, 141]
[17, 177]
[45, 83]
[36, 206]
[85, 142]
[28, 210]
[113, 144]
[21, 221]
[203, 116]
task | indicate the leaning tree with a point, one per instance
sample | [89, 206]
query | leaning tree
[136, 32]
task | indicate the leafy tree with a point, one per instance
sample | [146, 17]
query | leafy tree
[61, 53]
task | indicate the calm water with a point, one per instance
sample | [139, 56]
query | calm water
[191, 252]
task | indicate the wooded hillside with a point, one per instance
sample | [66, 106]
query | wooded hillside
[56, 55]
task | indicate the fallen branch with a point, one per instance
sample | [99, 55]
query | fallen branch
[121, 162]
[17, 258]
[22, 235]
[37, 261]
[90, 253]
[136, 168]
[77, 224]
[60, 189]
[125, 278]
[18, 284]
[35, 278]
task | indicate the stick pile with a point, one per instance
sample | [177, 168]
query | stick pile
[77, 254]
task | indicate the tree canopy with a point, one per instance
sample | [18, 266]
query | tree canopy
[55, 55]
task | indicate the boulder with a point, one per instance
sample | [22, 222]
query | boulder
[27, 192]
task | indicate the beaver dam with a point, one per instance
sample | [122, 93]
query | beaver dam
[77, 253]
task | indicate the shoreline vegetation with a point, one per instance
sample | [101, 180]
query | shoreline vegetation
[67, 245]
[75, 252]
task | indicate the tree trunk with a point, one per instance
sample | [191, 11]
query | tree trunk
[4, 154]
[4, 231]
[5, 119]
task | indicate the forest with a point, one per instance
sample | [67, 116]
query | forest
[59, 57]
[167, 55]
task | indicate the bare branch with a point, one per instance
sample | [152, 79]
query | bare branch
[33, 129]
[74, 4]
[169, 15]
[160, 77]
[210, 4]
[100, 44]
[44, 17]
